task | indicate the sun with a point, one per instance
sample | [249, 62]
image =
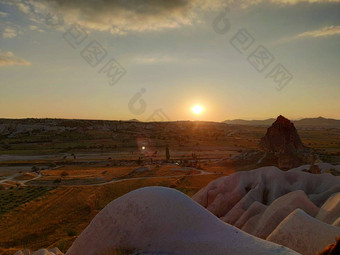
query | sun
[197, 109]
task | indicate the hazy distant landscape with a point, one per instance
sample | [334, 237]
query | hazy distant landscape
[44, 161]
[319, 122]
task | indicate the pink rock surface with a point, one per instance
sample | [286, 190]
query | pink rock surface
[222, 195]
[330, 211]
[258, 201]
[303, 233]
[336, 223]
[158, 219]
[280, 209]
[255, 209]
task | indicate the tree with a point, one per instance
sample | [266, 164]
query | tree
[6, 146]
[167, 153]
[35, 169]
[139, 161]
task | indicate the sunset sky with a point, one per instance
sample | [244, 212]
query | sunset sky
[171, 55]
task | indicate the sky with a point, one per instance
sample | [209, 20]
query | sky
[157, 59]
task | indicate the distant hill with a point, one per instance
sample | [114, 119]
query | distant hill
[266, 122]
[320, 121]
[306, 122]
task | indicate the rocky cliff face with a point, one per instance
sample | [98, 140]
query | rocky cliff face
[284, 146]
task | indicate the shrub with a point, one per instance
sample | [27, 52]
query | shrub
[167, 153]
[57, 181]
[64, 174]
[139, 161]
[35, 169]
[52, 165]
[71, 232]
[62, 244]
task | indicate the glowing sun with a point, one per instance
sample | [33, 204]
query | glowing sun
[197, 109]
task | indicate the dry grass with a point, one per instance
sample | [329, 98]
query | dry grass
[86, 172]
[25, 176]
[48, 220]
[10, 251]
[41, 222]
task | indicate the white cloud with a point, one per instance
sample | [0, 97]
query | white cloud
[246, 3]
[23, 7]
[304, 1]
[318, 33]
[8, 59]
[3, 14]
[154, 59]
[35, 28]
[9, 32]
[326, 31]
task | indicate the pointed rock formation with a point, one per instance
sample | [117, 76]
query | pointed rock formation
[282, 136]
[283, 145]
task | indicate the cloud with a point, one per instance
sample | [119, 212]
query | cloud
[9, 32]
[3, 14]
[283, 2]
[118, 16]
[10, 29]
[326, 31]
[35, 28]
[248, 3]
[122, 16]
[154, 59]
[323, 32]
[8, 59]
[305, 1]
